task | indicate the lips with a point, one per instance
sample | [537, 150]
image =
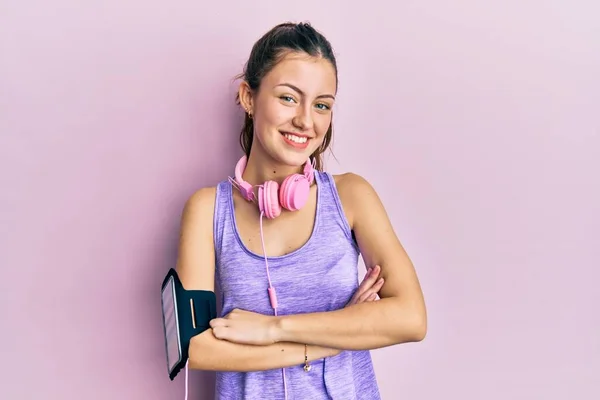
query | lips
[296, 140]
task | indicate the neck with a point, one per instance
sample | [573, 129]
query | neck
[260, 169]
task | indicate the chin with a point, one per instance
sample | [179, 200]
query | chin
[291, 153]
[292, 159]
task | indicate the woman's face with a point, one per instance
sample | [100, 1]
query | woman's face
[292, 109]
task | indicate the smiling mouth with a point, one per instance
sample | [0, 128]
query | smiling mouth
[295, 138]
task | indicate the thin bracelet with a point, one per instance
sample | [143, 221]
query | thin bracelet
[307, 366]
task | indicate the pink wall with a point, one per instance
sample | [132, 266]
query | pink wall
[485, 122]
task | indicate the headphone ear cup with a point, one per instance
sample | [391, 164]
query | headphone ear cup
[267, 199]
[294, 192]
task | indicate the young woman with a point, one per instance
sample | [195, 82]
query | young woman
[295, 323]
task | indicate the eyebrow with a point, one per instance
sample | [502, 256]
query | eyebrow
[302, 93]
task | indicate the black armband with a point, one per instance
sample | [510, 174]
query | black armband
[186, 313]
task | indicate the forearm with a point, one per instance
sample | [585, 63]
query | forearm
[362, 326]
[208, 353]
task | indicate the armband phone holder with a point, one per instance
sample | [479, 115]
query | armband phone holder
[186, 313]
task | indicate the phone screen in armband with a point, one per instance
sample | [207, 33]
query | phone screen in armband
[171, 325]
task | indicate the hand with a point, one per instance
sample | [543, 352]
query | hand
[246, 327]
[369, 287]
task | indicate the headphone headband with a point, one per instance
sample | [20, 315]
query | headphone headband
[244, 187]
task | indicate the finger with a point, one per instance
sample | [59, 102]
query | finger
[365, 278]
[370, 298]
[365, 296]
[218, 322]
[368, 280]
[378, 285]
[220, 332]
[372, 291]
[367, 283]
[376, 271]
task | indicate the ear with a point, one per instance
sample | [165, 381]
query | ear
[245, 96]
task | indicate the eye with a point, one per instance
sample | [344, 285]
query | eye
[287, 98]
[322, 106]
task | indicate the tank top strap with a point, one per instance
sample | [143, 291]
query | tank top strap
[222, 214]
[330, 206]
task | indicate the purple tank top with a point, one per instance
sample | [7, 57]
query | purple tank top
[320, 276]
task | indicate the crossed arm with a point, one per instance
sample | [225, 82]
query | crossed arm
[246, 341]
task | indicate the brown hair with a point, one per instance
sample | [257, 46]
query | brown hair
[267, 52]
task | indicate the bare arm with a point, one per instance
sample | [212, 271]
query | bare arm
[211, 354]
[196, 269]
[399, 317]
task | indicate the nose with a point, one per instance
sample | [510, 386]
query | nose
[303, 119]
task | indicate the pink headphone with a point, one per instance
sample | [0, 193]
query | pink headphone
[291, 195]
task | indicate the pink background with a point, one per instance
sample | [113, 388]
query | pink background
[478, 124]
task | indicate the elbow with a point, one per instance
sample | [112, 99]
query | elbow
[419, 328]
[418, 324]
[412, 326]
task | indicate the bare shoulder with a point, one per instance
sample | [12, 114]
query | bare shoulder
[350, 183]
[197, 215]
[201, 201]
[355, 193]
[195, 259]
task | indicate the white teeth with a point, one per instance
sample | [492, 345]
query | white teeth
[296, 139]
